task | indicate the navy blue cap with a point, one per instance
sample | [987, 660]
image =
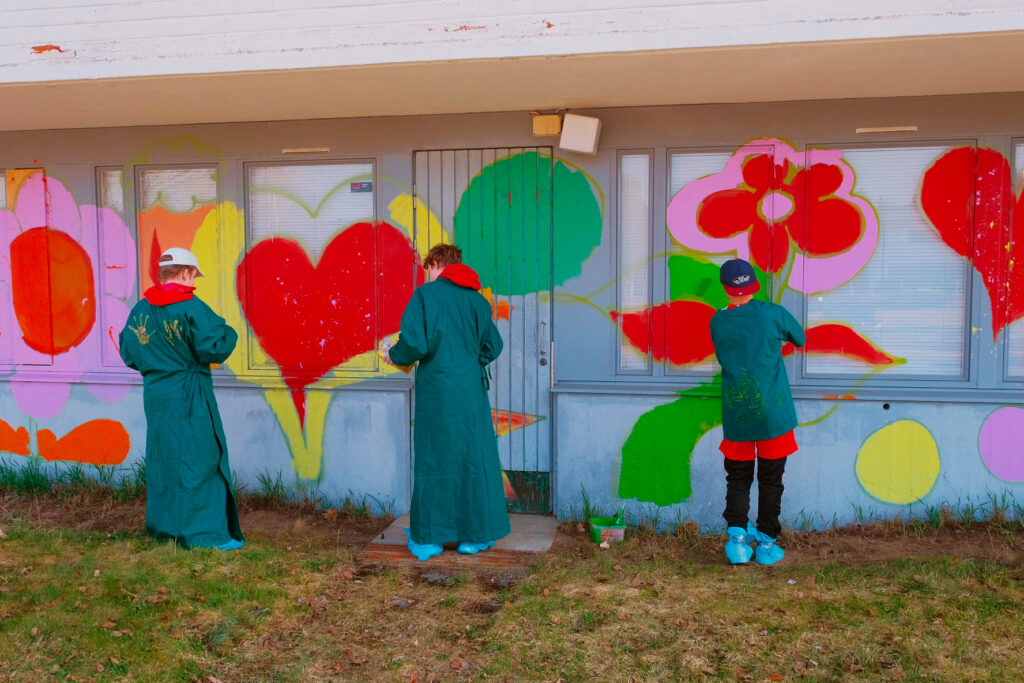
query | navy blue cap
[738, 278]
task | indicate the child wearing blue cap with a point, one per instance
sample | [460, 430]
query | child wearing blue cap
[758, 415]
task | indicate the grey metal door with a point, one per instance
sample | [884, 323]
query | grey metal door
[495, 204]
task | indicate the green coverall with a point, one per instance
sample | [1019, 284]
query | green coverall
[188, 479]
[458, 495]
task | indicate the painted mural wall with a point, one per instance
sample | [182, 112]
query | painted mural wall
[909, 385]
[898, 257]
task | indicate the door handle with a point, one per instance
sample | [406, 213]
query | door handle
[542, 347]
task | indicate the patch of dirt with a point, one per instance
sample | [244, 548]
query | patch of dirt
[862, 545]
[304, 526]
[301, 524]
[99, 511]
[853, 546]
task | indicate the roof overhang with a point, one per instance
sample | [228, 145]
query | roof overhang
[937, 65]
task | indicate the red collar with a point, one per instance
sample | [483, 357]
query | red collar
[168, 293]
[462, 275]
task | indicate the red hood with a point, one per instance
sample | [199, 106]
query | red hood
[169, 293]
[462, 275]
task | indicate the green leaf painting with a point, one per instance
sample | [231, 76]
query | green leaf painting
[656, 455]
[694, 278]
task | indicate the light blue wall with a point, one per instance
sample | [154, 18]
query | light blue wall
[367, 447]
[822, 487]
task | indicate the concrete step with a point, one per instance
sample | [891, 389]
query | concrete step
[531, 538]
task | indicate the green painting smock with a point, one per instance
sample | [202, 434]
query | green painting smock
[188, 478]
[458, 495]
[757, 403]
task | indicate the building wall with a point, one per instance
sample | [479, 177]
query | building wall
[908, 397]
[71, 39]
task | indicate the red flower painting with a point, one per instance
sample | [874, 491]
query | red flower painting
[779, 207]
[788, 198]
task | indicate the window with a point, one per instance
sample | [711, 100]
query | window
[308, 203]
[911, 298]
[296, 212]
[177, 190]
[634, 220]
[1015, 330]
[6, 351]
[684, 168]
[110, 189]
[33, 203]
[171, 204]
[117, 258]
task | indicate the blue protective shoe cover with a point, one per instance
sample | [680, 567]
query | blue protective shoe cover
[423, 551]
[474, 548]
[233, 544]
[737, 550]
[767, 551]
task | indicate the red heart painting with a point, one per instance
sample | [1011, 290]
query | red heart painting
[966, 195]
[310, 319]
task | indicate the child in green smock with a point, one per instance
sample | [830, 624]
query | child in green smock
[758, 415]
[172, 338]
[458, 495]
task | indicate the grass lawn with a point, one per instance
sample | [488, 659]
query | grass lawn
[293, 605]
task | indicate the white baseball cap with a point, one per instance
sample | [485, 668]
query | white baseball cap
[176, 256]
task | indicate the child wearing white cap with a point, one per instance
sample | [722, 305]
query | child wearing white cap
[172, 338]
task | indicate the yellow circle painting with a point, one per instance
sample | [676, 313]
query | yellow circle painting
[899, 463]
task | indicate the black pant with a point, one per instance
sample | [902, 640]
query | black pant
[739, 475]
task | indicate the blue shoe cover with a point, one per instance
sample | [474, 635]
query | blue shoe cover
[474, 548]
[233, 544]
[422, 551]
[737, 550]
[767, 551]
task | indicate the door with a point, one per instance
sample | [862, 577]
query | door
[495, 204]
[54, 309]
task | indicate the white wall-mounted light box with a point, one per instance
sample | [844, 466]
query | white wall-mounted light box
[580, 134]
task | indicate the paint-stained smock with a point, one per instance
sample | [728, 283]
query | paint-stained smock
[458, 495]
[757, 403]
[172, 338]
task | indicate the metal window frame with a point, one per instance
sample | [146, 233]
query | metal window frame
[1005, 379]
[271, 369]
[130, 221]
[649, 370]
[693, 377]
[843, 382]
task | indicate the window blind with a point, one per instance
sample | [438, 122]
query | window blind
[111, 189]
[309, 203]
[910, 298]
[179, 190]
[634, 249]
[1015, 331]
[115, 253]
[684, 168]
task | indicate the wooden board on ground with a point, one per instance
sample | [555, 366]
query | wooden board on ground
[531, 538]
